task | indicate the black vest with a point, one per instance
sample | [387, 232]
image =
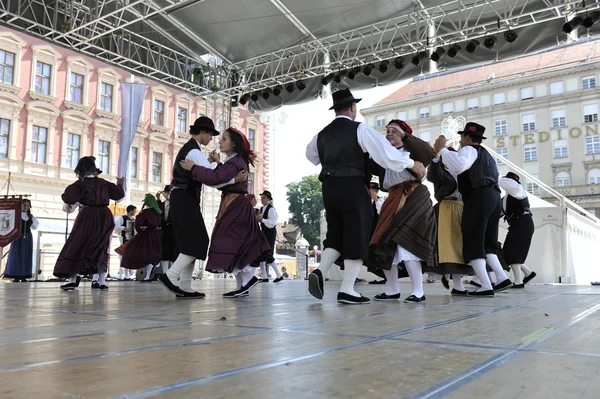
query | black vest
[339, 152]
[26, 226]
[266, 216]
[515, 208]
[483, 173]
[182, 179]
[125, 219]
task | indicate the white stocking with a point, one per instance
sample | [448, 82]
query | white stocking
[182, 269]
[494, 262]
[392, 284]
[263, 270]
[149, 269]
[247, 273]
[95, 277]
[330, 255]
[415, 272]
[492, 278]
[516, 268]
[351, 270]
[274, 266]
[102, 278]
[457, 283]
[239, 281]
[527, 271]
[479, 267]
[165, 265]
[73, 279]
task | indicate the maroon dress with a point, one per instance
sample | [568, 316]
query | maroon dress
[236, 239]
[86, 249]
[145, 248]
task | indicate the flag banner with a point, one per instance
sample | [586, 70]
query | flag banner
[10, 220]
[132, 101]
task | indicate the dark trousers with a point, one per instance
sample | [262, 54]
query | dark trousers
[480, 222]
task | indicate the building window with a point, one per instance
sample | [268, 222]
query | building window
[4, 132]
[159, 113]
[502, 152]
[402, 115]
[134, 162]
[594, 176]
[38, 144]
[526, 93]
[528, 122]
[563, 179]
[106, 97]
[181, 119]
[104, 156]
[73, 145]
[426, 137]
[532, 188]
[7, 67]
[250, 183]
[500, 127]
[592, 145]
[472, 103]
[76, 88]
[590, 113]
[499, 99]
[42, 78]
[559, 118]
[561, 148]
[251, 137]
[588, 82]
[424, 113]
[448, 108]
[380, 121]
[530, 153]
[556, 88]
[156, 167]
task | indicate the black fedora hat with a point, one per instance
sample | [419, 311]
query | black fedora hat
[343, 97]
[267, 194]
[204, 123]
[474, 130]
[514, 176]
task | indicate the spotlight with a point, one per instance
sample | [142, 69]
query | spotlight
[368, 69]
[422, 55]
[510, 36]
[591, 19]
[337, 79]
[300, 85]
[324, 81]
[244, 99]
[351, 74]
[437, 54]
[254, 97]
[289, 87]
[490, 42]
[356, 70]
[453, 50]
[572, 24]
[266, 94]
[472, 46]
[277, 90]
[383, 66]
[399, 63]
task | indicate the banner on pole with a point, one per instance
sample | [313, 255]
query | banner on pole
[132, 101]
[10, 220]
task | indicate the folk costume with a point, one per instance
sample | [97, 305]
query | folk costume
[19, 265]
[448, 211]
[169, 242]
[406, 231]
[517, 213]
[123, 223]
[86, 249]
[343, 148]
[478, 184]
[268, 226]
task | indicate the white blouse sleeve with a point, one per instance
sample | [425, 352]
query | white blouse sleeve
[34, 223]
[458, 162]
[312, 152]
[382, 152]
[512, 188]
[199, 159]
[272, 220]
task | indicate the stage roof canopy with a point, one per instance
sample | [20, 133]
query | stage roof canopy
[237, 47]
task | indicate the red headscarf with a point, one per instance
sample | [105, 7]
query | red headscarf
[403, 125]
[247, 149]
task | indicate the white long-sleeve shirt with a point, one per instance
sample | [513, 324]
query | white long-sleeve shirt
[199, 159]
[512, 188]
[34, 221]
[393, 178]
[272, 220]
[371, 141]
[459, 162]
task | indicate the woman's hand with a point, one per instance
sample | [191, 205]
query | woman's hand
[241, 176]
[120, 181]
[143, 228]
[214, 156]
[419, 169]
[187, 164]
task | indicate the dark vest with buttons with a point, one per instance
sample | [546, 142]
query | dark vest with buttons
[125, 219]
[339, 152]
[182, 179]
[483, 173]
[515, 208]
[26, 225]
[270, 233]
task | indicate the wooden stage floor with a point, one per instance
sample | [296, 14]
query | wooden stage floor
[137, 341]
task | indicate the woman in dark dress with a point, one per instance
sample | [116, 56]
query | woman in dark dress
[170, 250]
[145, 248]
[86, 249]
[236, 239]
[20, 257]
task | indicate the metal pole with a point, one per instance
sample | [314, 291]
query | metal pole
[38, 257]
[8, 183]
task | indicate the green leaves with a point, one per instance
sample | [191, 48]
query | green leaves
[306, 202]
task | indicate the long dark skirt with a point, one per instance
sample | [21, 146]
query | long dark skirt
[518, 240]
[145, 248]
[20, 258]
[236, 240]
[86, 249]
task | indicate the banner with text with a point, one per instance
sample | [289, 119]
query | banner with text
[10, 220]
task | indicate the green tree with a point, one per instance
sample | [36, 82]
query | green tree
[306, 202]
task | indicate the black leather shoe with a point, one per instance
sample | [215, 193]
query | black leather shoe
[263, 280]
[377, 282]
[246, 288]
[230, 294]
[348, 299]
[518, 285]
[529, 278]
[103, 288]
[445, 282]
[315, 284]
[456, 292]
[190, 295]
[164, 280]
[95, 285]
[278, 280]
[474, 284]
[68, 287]
[414, 299]
[489, 293]
[503, 285]
[386, 297]
[78, 281]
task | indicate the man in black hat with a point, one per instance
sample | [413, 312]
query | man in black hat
[184, 211]
[343, 149]
[478, 184]
[267, 217]
[517, 213]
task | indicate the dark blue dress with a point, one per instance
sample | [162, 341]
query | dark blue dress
[20, 256]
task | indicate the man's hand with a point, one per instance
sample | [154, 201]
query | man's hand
[419, 169]
[120, 181]
[259, 218]
[241, 176]
[440, 143]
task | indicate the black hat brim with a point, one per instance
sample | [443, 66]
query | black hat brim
[470, 134]
[341, 104]
[214, 132]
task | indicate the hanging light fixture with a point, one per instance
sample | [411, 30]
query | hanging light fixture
[420, 56]
[489, 42]
[244, 99]
[266, 94]
[300, 85]
[472, 46]
[290, 87]
[368, 69]
[453, 50]
[591, 19]
[572, 25]
[510, 36]
[254, 97]
[383, 66]
[277, 90]
[437, 54]
[399, 63]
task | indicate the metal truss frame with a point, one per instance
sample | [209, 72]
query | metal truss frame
[106, 30]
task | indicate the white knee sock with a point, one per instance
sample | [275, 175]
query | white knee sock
[165, 265]
[351, 271]
[492, 278]
[527, 271]
[182, 270]
[475, 279]
[185, 278]
[516, 268]
[392, 284]
[481, 272]
[415, 272]
[127, 273]
[494, 262]
[263, 270]
[102, 278]
[95, 277]
[73, 278]
[274, 266]
[247, 275]
[149, 269]
[457, 283]
[330, 255]
[239, 281]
